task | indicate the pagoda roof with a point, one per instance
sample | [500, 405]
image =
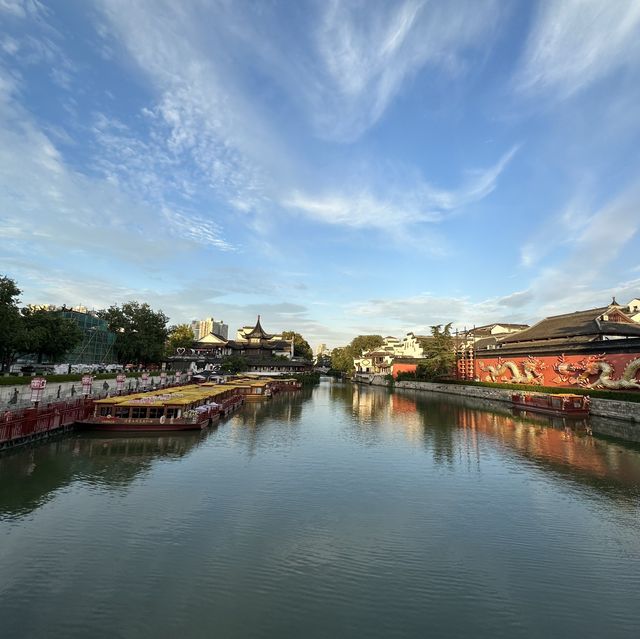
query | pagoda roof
[258, 332]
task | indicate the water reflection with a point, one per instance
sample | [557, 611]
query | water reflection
[250, 426]
[30, 477]
[398, 512]
[553, 442]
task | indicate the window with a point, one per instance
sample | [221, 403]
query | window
[138, 412]
[105, 411]
[122, 412]
[154, 413]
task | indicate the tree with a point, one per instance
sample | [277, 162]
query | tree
[233, 364]
[301, 347]
[342, 359]
[47, 334]
[180, 336]
[439, 356]
[140, 331]
[11, 326]
[364, 343]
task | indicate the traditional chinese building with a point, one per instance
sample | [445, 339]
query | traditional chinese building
[594, 348]
[263, 352]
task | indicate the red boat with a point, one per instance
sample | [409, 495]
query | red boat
[564, 404]
[190, 407]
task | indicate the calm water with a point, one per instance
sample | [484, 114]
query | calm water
[341, 512]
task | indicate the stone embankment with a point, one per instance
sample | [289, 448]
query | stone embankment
[608, 417]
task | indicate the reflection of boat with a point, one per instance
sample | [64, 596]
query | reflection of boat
[182, 408]
[566, 405]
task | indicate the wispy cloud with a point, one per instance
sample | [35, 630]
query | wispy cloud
[587, 268]
[369, 49]
[46, 202]
[403, 205]
[419, 312]
[575, 43]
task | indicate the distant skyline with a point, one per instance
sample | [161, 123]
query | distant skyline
[337, 167]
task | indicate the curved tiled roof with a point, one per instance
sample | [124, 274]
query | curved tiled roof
[581, 323]
[258, 332]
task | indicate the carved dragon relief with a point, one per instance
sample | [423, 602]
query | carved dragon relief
[565, 370]
[532, 371]
[597, 365]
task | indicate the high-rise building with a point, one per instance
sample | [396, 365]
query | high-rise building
[202, 328]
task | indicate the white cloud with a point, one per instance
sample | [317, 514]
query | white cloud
[402, 205]
[20, 8]
[418, 313]
[204, 111]
[52, 208]
[368, 50]
[574, 43]
[586, 269]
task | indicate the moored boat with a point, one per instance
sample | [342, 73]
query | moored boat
[565, 404]
[191, 407]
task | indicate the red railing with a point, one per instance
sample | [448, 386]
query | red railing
[33, 423]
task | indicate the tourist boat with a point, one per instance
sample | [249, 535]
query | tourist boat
[564, 404]
[191, 407]
[253, 389]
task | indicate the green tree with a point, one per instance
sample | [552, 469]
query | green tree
[180, 336]
[301, 347]
[11, 325]
[439, 355]
[47, 334]
[342, 359]
[233, 364]
[140, 331]
[364, 343]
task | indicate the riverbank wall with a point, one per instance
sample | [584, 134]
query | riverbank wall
[608, 417]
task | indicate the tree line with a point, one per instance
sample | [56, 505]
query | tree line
[438, 353]
[26, 331]
[142, 335]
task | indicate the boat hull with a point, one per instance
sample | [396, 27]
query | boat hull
[113, 426]
[564, 406]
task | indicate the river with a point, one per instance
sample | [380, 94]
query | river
[342, 511]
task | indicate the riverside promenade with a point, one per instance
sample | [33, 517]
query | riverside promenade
[56, 391]
[59, 407]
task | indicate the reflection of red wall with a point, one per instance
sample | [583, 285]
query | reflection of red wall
[551, 376]
[402, 368]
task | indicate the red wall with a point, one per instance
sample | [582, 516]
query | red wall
[588, 371]
[402, 368]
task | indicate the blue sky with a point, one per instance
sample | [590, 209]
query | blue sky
[338, 167]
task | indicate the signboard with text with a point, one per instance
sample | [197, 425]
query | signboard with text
[120, 380]
[87, 383]
[38, 384]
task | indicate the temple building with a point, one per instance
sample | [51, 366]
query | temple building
[594, 348]
[263, 352]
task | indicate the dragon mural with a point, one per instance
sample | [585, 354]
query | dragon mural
[567, 371]
[597, 365]
[532, 371]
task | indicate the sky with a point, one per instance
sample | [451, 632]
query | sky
[339, 167]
